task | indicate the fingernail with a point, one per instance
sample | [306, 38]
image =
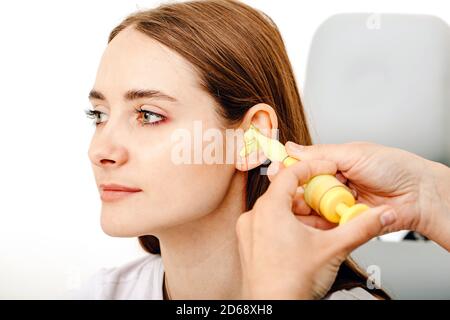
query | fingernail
[294, 146]
[387, 218]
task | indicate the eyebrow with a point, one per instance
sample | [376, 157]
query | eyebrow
[134, 95]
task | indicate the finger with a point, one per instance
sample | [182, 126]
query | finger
[299, 206]
[344, 155]
[352, 188]
[341, 178]
[283, 188]
[362, 228]
[345, 181]
[316, 222]
[273, 169]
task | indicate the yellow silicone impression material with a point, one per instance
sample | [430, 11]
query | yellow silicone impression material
[324, 193]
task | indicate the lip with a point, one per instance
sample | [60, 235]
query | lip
[113, 192]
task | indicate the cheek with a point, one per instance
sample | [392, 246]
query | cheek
[200, 188]
[178, 193]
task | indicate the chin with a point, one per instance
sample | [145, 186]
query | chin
[120, 223]
[115, 226]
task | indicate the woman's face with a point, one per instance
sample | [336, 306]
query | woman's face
[136, 149]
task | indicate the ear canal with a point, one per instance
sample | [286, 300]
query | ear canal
[250, 142]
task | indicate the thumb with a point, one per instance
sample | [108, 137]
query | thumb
[371, 223]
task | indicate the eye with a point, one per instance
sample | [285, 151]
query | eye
[146, 117]
[97, 116]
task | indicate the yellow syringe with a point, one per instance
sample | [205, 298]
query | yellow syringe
[324, 193]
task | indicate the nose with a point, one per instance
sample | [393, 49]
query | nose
[107, 152]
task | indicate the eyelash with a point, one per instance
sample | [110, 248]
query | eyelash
[96, 116]
[141, 113]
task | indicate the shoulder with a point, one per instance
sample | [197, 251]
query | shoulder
[138, 279]
[356, 293]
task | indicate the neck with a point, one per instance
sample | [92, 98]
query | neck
[201, 258]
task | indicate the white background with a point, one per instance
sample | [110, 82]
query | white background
[50, 237]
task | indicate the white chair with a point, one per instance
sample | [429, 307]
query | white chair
[383, 78]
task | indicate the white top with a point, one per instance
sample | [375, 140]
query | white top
[142, 279]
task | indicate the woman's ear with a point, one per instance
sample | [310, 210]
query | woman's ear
[263, 117]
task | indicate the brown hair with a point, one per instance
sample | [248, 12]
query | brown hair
[241, 60]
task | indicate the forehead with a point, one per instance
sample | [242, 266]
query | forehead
[134, 60]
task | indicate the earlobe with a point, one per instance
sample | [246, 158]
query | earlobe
[263, 118]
